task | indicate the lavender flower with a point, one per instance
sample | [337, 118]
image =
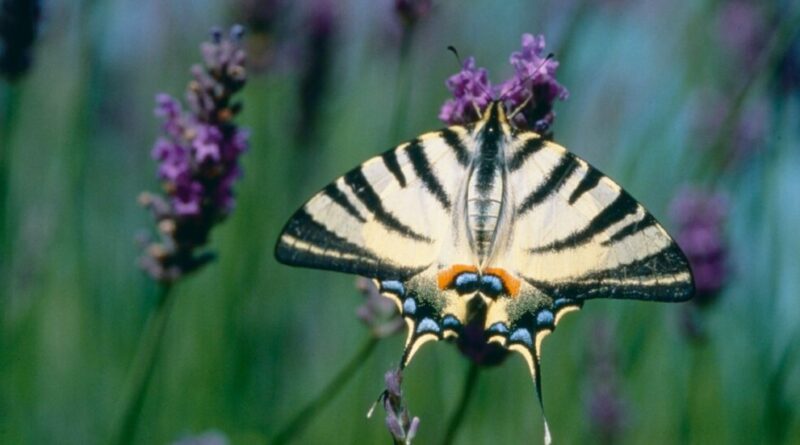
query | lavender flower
[265, 42]
[534, 82]
[532, 87]
[379, 313]
[198, 160]
[700, 216]
[473, 343]
[315, 77]
[749, 129]
[742, 30]
[472, 93]
[401, 426]
[19, 23]
[605, 407]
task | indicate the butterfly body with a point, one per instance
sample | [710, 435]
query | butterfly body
[490, 223]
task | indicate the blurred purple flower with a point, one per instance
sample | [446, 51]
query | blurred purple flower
[19, 25]
[700, 216]
[532, 87]
[742, 29]
[379, 313]
[749, 132]
[399, 422]
[605, 408]
[473, 343]
[322, 25]
[198, 160]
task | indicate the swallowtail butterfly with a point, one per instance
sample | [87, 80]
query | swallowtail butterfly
[491, 223]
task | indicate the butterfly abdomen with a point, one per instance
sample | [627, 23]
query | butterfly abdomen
[484, 204]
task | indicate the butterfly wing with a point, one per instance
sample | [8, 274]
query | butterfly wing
[392, 219]
[575, 235]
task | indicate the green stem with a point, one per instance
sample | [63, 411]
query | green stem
[8, 118]
[702, 394]
[304, 417]
[402, 88]
[143, 366]
[463, 402]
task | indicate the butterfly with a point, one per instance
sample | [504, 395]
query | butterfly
[491, 224]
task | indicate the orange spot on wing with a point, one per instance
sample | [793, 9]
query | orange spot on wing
[509, 281]
[445, 277]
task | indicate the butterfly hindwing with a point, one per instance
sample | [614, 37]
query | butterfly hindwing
[429, 312]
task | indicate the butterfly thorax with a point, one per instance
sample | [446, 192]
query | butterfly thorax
[485, 190]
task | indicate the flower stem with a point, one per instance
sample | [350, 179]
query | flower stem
[461, 408]
[8, 119]
[402, 89]
[304, 417]
[143, 367]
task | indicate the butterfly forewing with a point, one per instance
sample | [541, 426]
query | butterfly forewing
[387, 219]
[579, 235]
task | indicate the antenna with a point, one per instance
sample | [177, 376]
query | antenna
[453, 50]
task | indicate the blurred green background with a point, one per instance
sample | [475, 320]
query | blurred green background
[662, 95]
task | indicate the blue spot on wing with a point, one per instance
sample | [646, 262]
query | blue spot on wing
[466, 283]
[409, 306]
[498, 328]
[427, 325]
[394, 287]
[545, 318]
[523, 336]
[451, 322]
[491, 285]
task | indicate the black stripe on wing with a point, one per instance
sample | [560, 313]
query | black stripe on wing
[628, 281]
[422, 168]
[391, 163]
[621, 207]
[588, 182]
[631, 229]
[555, 180]
[339, 197]
[334, 252]
[366, 194]
[521, 156]
[453, 140]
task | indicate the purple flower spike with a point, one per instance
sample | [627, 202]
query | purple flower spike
[472, 94]
[530, 92]
[700, 217]
[399, 422]
[198, 160]
[534, 81]
[378, 312]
